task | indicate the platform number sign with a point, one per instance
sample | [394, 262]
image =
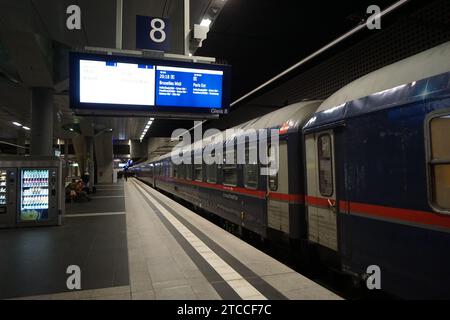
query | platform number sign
[152, 33]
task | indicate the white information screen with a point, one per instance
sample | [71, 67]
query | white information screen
[117, 83]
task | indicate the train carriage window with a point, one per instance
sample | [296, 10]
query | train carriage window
[198, 165]
[439, 162]
[211, 170]
[182, 171]
[229, 169]
[273, 178]
[189, 171]
[325, 165]
[251, 167]
[198, 175]
[174, 170]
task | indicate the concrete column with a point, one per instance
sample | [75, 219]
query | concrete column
[104, 157]
[79, 144]
[66, 157]
[89, 167]
[137, 149]
[41, 122]
[20, 142]
[66, 149]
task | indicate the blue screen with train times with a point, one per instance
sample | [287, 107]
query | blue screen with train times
[128, 83]
[188, 87]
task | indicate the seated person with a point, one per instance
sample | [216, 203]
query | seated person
[85, 179]
[80, 190]
[71, 193]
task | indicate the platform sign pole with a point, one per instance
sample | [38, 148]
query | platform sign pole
[119, 22]
[186, 26]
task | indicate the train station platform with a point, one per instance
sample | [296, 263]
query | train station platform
[132, 242]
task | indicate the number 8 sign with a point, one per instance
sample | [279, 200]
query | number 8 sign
[152, 33]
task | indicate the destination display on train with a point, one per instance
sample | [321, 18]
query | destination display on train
[142, 84]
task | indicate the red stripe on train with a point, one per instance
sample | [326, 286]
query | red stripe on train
[256, 193]
[412, 216]
[294, 198]
[315, 201]
[404, 215]
[400, 214]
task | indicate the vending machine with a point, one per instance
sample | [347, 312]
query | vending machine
[35, 192]
[8, 186]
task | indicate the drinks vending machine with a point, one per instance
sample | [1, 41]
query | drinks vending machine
[8, 180]
[31, 191]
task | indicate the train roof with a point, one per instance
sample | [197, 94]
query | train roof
[294, 115]
[290, 118]
[397, 79]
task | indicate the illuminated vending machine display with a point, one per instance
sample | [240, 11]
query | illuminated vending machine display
[7, 197]
[34, 197]
[3, 188]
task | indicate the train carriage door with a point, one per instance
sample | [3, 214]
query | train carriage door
[278, 190]
[321, 189]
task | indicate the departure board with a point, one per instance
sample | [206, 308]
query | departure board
[124, 83]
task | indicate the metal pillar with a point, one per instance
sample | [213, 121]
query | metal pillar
[119, 23]
[89, 166]
[41, 122]
[66, 149]
[66, 158]
[187, 26]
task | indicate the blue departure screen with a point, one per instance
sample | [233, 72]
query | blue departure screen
[186, 87]
[137, 84]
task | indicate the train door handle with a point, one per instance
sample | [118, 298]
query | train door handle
[332, 205]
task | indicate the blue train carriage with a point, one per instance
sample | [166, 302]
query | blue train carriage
[378, 175]
[144, 171]
[270, 206]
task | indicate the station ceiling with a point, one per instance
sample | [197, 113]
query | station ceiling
[31, 28]
[259, 38]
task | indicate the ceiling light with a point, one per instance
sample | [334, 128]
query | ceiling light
[205, 22]
[71, 129]
[26, 128]
[17, 124]
[144, 131]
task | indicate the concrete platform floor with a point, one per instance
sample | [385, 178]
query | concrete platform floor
[175, 254]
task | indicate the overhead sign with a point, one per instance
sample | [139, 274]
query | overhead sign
[104, 82]
[152, 33]
[187, 87]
